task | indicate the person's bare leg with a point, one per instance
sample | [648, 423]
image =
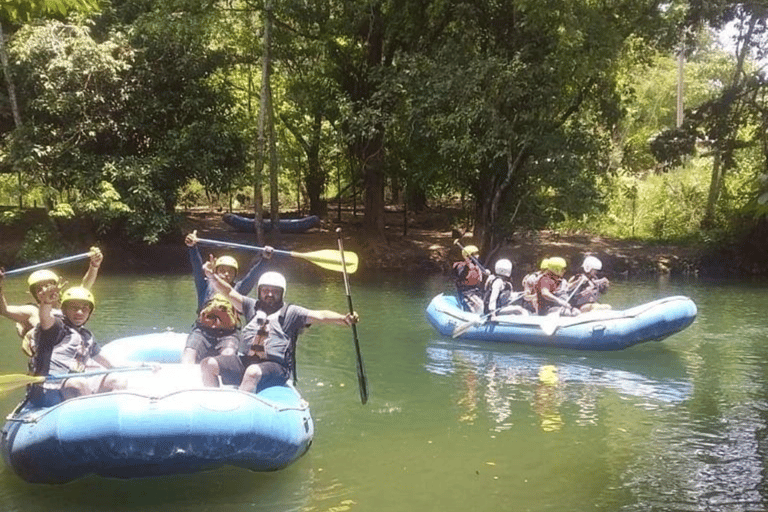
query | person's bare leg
[189, 356]
[209, 369]
[251, 378]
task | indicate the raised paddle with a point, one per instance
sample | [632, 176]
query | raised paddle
[47, 264]
[18, 380]
[362, 381]
[472, 257]
[327, 258]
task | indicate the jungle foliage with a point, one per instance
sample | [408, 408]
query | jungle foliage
[533, 113]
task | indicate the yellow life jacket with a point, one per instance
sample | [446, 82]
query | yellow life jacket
[219, 313]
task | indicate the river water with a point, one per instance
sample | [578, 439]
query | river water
[457, 426]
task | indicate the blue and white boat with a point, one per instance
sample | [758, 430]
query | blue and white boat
[596, 330]
[246, 224]
[164, 422]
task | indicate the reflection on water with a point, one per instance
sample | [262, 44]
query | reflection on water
[498, 375]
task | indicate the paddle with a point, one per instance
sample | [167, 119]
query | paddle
[550, 327]
[17, 380]
[461, 329]
[326, 258]
[362, 381]
[53, 263]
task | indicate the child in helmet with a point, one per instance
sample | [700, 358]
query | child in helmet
[469, 280]
[267, 357]
[529, 287]
[216, 327]
[26, 316]
[590, 286]
[64, 345]
[549, 292]
[499, 291]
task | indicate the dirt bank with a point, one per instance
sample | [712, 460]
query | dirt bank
[426, 248]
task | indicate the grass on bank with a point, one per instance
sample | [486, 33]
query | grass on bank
[668, 207]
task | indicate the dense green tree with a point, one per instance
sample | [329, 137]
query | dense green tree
[13, 12]
[734, 119]
[135, 101]
[520, 99]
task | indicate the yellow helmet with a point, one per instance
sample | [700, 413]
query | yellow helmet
[470, 250]
[557, 265]
[228, 261]
[78, 293]
[544, 264]
[38, 276]
[41, 276]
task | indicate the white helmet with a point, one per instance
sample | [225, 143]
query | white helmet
[271, 278]
[591, 263]
[503, 267]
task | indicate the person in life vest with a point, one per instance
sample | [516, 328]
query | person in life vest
[499, 291]
[469, 280]
[550, 293]
[590, 286]
[64, 346]
[216, 328]
[529, 287]
[268, 355]
[27, 316]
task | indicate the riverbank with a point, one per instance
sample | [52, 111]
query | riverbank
[428, 247]
[425, 246]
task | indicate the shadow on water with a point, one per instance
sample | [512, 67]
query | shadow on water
[290, 489]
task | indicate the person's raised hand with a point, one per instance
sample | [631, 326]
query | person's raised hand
[191, 239]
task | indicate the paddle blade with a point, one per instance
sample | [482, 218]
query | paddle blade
[550, 325]
[17, 380]
[462, 328]
[330, 259]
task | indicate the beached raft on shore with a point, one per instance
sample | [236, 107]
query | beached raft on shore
[164, 423]
[246, 224]
[596, 330]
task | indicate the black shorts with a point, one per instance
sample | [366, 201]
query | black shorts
[232, 370]
[209, 343]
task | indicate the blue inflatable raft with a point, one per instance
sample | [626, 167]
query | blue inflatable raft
[163, 423]
[246, 224]
[596, 330]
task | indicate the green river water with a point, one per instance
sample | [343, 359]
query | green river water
[459, 426]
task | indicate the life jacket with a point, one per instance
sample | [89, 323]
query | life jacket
[272, 349]
[589, 291]
[468, 276]
[70, 352]
[529, 290]
[291, 359]
[541, 303]
[504, 294]
[218, 314]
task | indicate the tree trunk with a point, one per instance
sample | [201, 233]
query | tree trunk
[488, 210]
[315, 176]
[715, 186]
[374, 183]
[11, 98]
[261, 144]
[724, 142]
[369, 149]
[274, 200]
[9, 82]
